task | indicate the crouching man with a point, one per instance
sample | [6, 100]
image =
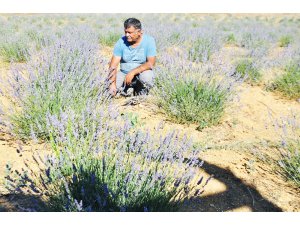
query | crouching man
[136, 54]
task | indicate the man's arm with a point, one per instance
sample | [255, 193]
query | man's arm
[113, 65]
[146, 66]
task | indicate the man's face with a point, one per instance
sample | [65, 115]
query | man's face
[132, 34]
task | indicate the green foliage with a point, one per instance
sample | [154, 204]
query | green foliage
[38, 38]
[202, 49]
[252, 41]
[133, 118]
[246, 40]
[290, 161]
[82, 18]
[285, 41]
[288, 127]
[15, 50]
[109, 39]
[175, 38]
[192, 101]
[248, 69]
[194, 24]
[289, 83]
[230, 39]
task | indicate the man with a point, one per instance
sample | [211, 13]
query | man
[137, 54]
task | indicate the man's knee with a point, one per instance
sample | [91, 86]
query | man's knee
[147, 78]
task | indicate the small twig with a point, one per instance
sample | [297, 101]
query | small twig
[266, 106]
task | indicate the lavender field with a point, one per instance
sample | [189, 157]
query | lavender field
[220, 131]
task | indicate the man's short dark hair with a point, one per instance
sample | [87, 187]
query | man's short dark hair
[132, 22]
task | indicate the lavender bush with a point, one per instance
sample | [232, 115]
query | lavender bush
[285, 41]
[289, 128]
[40, 38]
[290, 161]
[192, 95]
[248, 69]
[109, 39]
[289, 82]
[14, 48]
[65, 75]
[175, 38]
[100, 163]
[202, 49]
[230, 39]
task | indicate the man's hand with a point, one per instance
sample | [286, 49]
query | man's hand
[146, 66]
[113, 89]
[128, 78]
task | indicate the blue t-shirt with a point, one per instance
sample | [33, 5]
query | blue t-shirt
[134, 57]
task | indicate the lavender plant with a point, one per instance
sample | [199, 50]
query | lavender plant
[285, 41]
[65, 75]
[191, 95]
[255, 37]
[202, 49]
[100, 165]
[175, 38]
[14, 48]
[40, 38]
[290, 161]
[290, 147]
[230, 39]
[288, 56]
[248, 69]
[109, 39]
[289, 82]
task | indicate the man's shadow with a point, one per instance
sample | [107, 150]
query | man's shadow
[237, 194]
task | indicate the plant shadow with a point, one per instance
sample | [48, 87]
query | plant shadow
[20, 203]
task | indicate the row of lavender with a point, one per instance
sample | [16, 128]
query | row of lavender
[257, 43]
[258, 35]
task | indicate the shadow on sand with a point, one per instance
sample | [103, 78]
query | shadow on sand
[20, 203]
[237, 194]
